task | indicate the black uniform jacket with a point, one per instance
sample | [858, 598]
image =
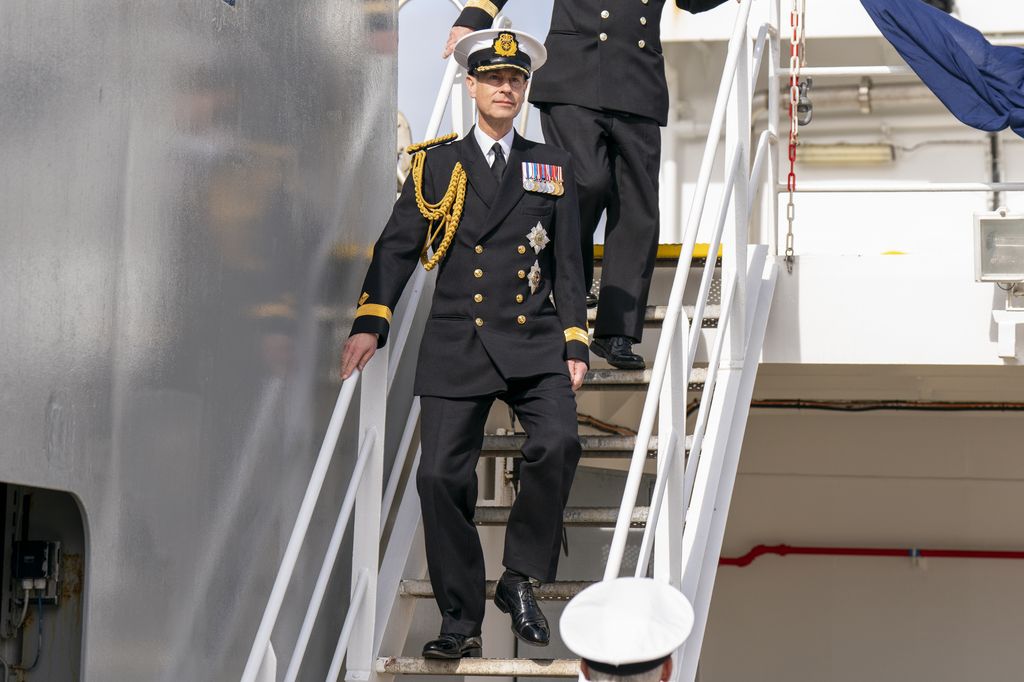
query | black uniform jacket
[486, 326]
[601, 55]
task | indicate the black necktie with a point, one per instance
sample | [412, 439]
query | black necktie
[498, 167]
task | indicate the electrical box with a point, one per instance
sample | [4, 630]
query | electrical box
[33, 560]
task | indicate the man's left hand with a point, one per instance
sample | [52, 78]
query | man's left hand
[577, 370]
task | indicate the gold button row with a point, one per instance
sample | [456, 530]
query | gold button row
[521, 320]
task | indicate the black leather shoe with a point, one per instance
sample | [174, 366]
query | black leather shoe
[514, 596]
[618, 351]
[591, 300]
[450, 645]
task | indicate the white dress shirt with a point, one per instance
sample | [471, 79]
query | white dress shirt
[485, 142]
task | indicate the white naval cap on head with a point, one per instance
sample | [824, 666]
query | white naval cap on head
[496, 48]
[626, 626]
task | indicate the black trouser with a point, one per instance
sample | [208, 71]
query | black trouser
[451, 432]
[616, 157]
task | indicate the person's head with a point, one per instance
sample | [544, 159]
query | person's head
[498, 65]
[625, 630]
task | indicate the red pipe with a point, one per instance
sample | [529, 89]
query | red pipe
[783, 550]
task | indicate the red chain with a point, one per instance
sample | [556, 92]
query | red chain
[796, 57]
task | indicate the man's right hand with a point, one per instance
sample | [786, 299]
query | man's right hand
[455, 36]
[357, 352]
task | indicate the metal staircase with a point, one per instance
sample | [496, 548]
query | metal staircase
[696, 459]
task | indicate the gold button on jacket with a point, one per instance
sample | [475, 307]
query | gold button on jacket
[478, 273]
[478, 298]
[478, 249]
[521, 319]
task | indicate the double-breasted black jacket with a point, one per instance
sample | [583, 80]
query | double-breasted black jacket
[492, 317]
[602, 54]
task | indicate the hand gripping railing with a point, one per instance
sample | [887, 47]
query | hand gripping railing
[738, 48]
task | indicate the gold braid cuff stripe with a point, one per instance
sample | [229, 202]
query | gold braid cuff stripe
[446, 213]
[577, 334]
[375, 310]
[485, 5]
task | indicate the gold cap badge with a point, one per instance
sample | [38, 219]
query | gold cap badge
[505, 45]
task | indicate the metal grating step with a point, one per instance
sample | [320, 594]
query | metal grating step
[573, 516]
[654, 315]
[595, 447]
[611, 447]
[631, 379]
[560, 590]
[494, 667]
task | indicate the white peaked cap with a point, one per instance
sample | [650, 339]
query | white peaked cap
[483, 40]
[626, 621]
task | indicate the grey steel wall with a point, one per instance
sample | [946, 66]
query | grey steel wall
[183, 185]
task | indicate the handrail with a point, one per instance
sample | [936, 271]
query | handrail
[317, 598]
[358, 594]
[298, 534]
[675, 304]
[660, 484]
[701, 423]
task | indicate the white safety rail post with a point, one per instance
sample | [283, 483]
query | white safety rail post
[366, 529]
[668, 561]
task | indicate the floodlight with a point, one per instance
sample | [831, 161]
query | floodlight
[999, 247]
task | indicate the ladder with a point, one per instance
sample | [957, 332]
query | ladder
[696, 464]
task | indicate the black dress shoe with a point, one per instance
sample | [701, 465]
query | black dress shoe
[449, 645]
[514, 596]
[618, 351]
[591, 300]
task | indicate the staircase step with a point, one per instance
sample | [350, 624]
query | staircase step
[573, 516]
[631, 379]
[495, 667]
[561, 590]
[654, 315]
[597, 447]
[611, 447]
[668, 254]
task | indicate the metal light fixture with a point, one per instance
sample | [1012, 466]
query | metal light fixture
[999, 247]
[845, 154]
[999, 258]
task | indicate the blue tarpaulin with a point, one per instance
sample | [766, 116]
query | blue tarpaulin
[980, 83]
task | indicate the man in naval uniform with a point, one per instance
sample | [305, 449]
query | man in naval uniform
[602, 99]
[626, 629]
[507, 321]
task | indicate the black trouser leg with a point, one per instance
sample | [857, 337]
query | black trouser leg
[546, 407]
[581, 132]
[451, 433]
[616, 158]
[631, 232]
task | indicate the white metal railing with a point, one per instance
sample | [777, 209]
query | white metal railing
[736, 63]
[359, 625]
